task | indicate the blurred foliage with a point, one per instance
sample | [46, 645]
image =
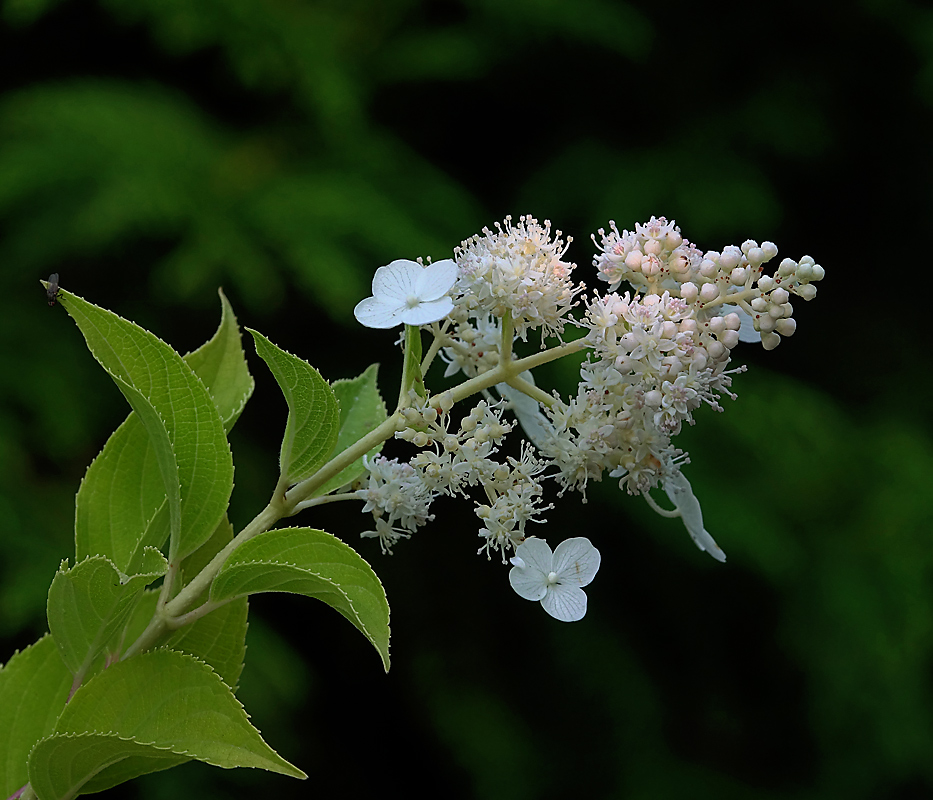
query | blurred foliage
[151, 150]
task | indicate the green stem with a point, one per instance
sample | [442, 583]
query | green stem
[165, 617]
[531, 390]
[304, 490]
[439, 334]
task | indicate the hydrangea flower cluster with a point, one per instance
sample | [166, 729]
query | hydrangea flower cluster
[655, 354]
[517, 271]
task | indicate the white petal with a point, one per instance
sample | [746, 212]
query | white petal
[375, 313]
[436, 279]
[576, 561]
[535, 553]
[426, 313]
[529, 582]
[564, 602]
[537, 427]
[678, 489]
[396, 280]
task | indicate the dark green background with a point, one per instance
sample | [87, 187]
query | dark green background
[152, 150]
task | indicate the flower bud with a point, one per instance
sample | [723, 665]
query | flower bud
[633, 260]
[769, 249]
[770, 340]
[807, 291]
[716, 350]
[689, 291]
[652, 247]
[653, 398]
[759, 304]
[730, 338]
[708, 268]
[756, 256]
[731, 257]
[738, 276]
[733, 321]
[788, 267]
[786, 327]
[766, 283]
[779, 296]
[708, 292]
[717, 324]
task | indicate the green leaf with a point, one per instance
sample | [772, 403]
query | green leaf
[120, 509]
[313, 563]
[91, 602]
[361, 410]
[311, 430]
[185, 430]
[218, 639]
[220, 363]
[34, 686]
[142, 715]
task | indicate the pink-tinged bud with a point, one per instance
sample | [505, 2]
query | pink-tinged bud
[689, 291]
[633, 260]
[717, 325]
[731, 257]
[688, 326]
[755, 256]
[730, 338]
[786, 327]
[733, 321]
[709, 292]
[668, 329]
[780, 296]
[679, 263]
[652, 247]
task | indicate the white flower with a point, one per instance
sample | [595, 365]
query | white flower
[406, 292]
[555, 580]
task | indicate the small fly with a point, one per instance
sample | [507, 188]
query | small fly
[53, 288]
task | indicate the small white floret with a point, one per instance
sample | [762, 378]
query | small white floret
[555, 579]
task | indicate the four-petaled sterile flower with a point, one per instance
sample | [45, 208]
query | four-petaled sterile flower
[405, 292]
[555, 579]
